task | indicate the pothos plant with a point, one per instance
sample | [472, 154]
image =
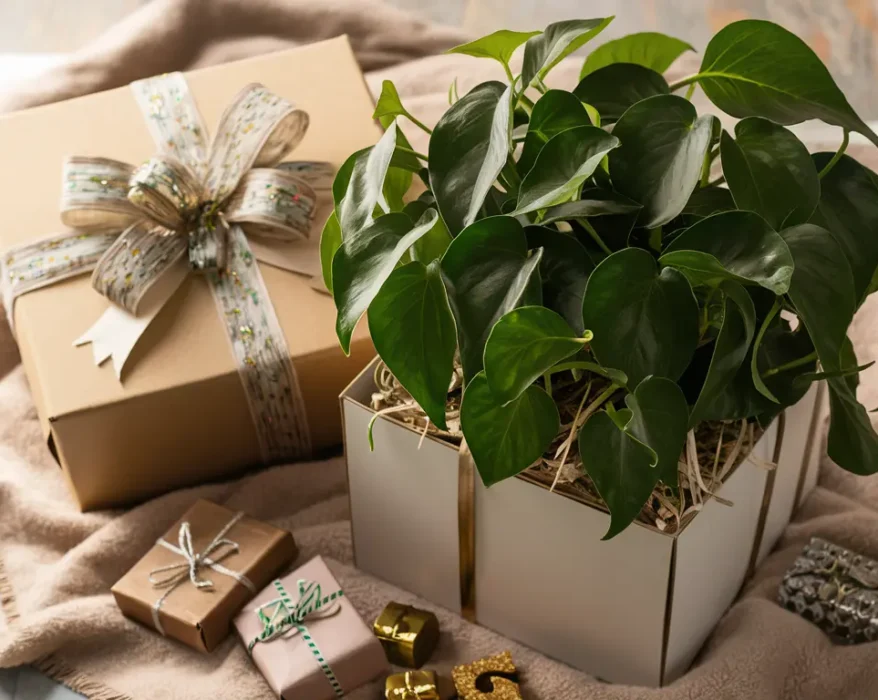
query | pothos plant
[590, 233]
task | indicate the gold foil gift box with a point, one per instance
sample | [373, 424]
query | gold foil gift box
[409, 635]
[412, 685]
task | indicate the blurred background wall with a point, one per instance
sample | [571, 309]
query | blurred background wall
[842, 32]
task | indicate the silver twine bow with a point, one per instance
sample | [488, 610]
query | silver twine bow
[191, 207]
[288, 618]
[192, 565]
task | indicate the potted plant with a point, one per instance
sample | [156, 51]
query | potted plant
[605, 293]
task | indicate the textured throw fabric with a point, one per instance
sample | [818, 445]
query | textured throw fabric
[57, 565]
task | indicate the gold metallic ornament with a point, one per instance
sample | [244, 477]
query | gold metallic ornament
[409, 635]
[495, 673]
[412, 685]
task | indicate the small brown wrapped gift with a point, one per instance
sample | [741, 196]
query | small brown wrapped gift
[409, 635]
[195, 579]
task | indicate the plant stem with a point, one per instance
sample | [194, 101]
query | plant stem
[655, 239]
[705, 315]
[568, 442]
[509, 74]
[524, 100]
[594, 234]
[418, 123]
[720, 180]
[541, 86]
[411, 152]
[792, 364]
[705, 168]
[838, 154]
[684, 82]
[547, 378]
[511, 173]
[598, 402]
[690, 91]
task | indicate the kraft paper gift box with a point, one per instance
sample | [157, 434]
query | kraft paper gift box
[248, 555]
[180, 415]
[305, 650]
[635, 609]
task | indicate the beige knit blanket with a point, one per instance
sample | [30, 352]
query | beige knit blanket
[57, 565]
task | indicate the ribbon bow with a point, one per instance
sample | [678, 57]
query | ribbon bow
[288, 619]
[187, 202]
[193, 562]
[193, 206]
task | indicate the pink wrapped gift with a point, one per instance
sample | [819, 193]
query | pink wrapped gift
[307, 639]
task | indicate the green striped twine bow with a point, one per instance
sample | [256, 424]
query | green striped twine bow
[288, 617]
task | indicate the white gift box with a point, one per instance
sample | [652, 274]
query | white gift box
[635, 609]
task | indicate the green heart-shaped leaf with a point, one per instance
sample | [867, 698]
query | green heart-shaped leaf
[330, 242]
[365, 189]
[664, 143]
[627, 293]
[364, 262]
[770, 171]
[554, 112]
[729, 349]
[389, 105]
[755, 68]
[564, 270]
[852, 442]
[343, 176]
[488, 273]
[433, 244]
[611, 90]
[737, 245]
[499, 45]
[468, 149]
[821, 289]
[506, 440]
[621, 467]
[594, 202]
[650, 49]
[564, 164]
[740, 398]
[544, 51]
[523, 345]
[849, 209]
[396, 185]
[413, 331]
[706, 201]
[660, 420]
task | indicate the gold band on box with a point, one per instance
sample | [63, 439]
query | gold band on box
[192, 207]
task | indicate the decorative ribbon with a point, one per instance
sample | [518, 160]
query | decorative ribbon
[288, 619]
[136, 227]
[192, 564]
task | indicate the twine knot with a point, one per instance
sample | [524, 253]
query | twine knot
[193, 563]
